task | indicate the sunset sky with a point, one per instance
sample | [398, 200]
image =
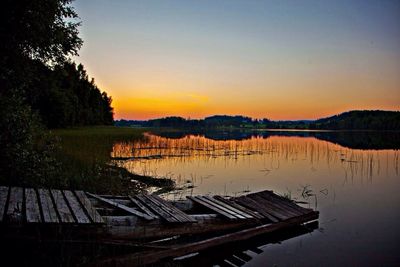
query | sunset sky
[264, 59]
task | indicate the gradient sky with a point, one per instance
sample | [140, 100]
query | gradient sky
[273, 59]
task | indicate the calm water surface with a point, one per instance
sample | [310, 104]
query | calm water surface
[353, 181]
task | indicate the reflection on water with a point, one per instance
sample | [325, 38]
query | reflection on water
[230, 167]
[350, 139]
[355, 190]
[239, 254]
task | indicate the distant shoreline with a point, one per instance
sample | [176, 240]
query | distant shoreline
[356, 120]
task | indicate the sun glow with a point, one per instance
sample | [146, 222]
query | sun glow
[257, 59]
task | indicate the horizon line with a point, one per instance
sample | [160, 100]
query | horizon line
[202, 118]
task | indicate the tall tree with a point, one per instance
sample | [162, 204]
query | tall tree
[37, 37]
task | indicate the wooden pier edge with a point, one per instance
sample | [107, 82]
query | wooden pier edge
[140, 259]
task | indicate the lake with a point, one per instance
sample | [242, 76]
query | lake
[352, 178]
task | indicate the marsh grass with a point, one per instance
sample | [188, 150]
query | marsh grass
[85, 158]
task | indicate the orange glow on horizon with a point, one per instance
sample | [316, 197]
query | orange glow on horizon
[263, 60]
[199, 108]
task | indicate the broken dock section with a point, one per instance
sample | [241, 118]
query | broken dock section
[148, 226]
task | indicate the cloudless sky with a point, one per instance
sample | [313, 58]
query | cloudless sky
[273, 59]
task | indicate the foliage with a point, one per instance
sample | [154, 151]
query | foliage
[46, 30]
[68, 98]
[85, 160]
[360, 120]
[38, 84]
[26, 150]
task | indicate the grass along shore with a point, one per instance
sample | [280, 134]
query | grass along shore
[85, 163]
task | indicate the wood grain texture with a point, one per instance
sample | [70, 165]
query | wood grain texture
[3, 200]
[32, 206]
[48, 210]
[77, 209]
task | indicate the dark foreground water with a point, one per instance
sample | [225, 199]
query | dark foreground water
[351, 178]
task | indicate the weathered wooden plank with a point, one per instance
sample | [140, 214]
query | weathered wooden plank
[269, 208]
[286, 202]
[285, 213]
[122, 207]
[213, 203]
[276, 203]
[217, 210]
[227, 206]
[161, 205]
[130, 230]
[3, 200]
[143, 207]
[48, 211]
[90, 209]
[15, 204]
[32, 206]
[240, 207]
[62, 207]
[165, 215]
[251, 204]
[77, 209]
[183, 216]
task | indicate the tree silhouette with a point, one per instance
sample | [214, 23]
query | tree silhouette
[39, 84]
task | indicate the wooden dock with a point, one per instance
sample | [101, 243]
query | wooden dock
[148, 222]
[44, 206]
[244, 217]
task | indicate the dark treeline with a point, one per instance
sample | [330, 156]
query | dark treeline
[40, 88]
[217, 121]
[360, 120]
[67, 97]
[352, 120]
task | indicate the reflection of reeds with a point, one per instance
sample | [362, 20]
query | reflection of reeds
[274, 152]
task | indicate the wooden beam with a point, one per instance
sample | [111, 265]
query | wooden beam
[135, 231]
[180, 215]
[278, 205]
[77, 209]
[15, 204]
[3, 200]
[217, 210]
[240, 207]
[32, 206]
[285, 201]
[122, 207]
[48, 211]
[143, 207]
[162, 213]
[227, 206]
[282, 215]
[89, 208]
[251, 204]
[213, 203]
[62, 207]
[140, 259]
